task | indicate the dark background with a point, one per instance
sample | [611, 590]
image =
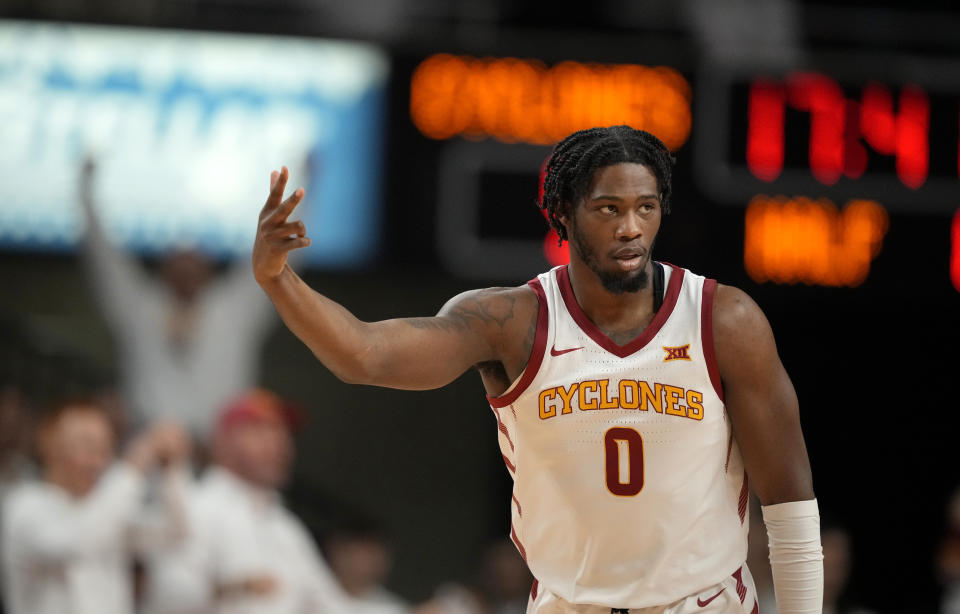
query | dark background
[875, 366]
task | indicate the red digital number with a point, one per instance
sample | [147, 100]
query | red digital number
[913, 145]
[822, 97]
[955, 251]
[765, 130]
[904, 134]
[839, 127]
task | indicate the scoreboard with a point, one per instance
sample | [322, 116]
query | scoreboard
[847, 134]
[887, 133]
[816, 157]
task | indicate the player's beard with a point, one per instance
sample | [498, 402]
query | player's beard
[613, 282]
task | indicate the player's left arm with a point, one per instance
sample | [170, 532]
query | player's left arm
[764, 412]
[760, 399]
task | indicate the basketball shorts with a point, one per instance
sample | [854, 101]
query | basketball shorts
[734, 595]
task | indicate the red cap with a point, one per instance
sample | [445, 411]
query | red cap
[259, 405]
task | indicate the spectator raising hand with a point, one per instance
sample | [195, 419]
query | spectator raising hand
[187, 338]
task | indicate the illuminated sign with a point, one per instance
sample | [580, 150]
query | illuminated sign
[508, 109]
[801, 240]
[516, 100]
[185, 128]
[890, 132]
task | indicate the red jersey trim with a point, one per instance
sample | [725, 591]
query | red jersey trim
[536, 356]
[516, 542]
[503, 428]
[706, 334]
[744, 498]
[741, 587]
[669, 302]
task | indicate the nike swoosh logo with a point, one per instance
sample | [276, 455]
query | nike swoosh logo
[555, 352]
[703, 604]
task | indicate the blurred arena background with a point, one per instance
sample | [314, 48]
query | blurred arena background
[818, 150]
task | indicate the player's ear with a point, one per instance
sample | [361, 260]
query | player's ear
[564, 212]
[563, 215]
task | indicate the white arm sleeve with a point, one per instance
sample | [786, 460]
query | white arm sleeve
[796, 556]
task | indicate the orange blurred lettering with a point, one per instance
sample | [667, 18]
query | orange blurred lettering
[514, 100]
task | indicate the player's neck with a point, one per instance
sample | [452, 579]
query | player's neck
[605, 308]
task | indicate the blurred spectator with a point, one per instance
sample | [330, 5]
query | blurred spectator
[453, 598]
[948, 559]
[504, 579]
[68, 540]
[188, 339]
[246, 553]
[837, 561]
[503, 587]
[15, 464]
[360, 558]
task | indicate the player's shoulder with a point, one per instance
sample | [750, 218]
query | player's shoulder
[738, 320]
[733, 305]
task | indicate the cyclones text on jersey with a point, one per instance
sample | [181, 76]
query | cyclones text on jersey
[590, 395]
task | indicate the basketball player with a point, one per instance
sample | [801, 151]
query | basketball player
[633, 398]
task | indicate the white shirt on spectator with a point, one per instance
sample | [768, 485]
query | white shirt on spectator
[18, 471]
[237, 532]
[65, 555]
[190, 382]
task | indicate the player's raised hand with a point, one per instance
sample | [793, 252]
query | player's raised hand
[275, 235]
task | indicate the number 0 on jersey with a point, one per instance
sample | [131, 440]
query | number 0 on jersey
[623, 449]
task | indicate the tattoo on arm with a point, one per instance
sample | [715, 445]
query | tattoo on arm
[494, 370]
[496, 310]
[530, 338]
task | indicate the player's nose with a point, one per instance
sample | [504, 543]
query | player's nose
[630, 227]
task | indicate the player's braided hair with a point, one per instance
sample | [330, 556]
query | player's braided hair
[575, 159]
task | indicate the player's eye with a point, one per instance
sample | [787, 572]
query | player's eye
[609, 209]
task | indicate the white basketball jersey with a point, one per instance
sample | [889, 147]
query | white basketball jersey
[629, 490]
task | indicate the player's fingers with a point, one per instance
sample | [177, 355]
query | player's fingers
[274, 175]
[290, 229]
[286, 208]
[286, 245]
[276, 190]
